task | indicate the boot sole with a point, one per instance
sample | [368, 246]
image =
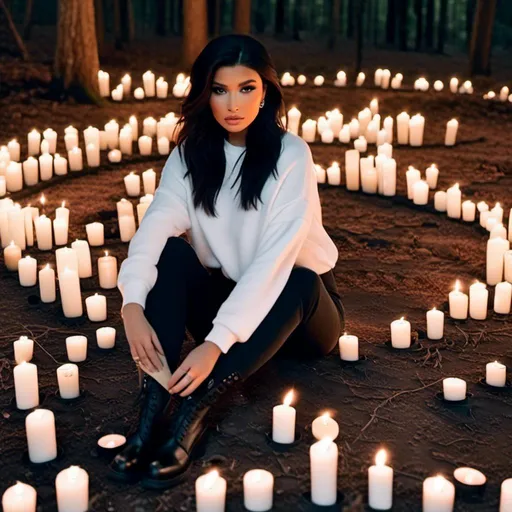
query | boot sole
[123, 477]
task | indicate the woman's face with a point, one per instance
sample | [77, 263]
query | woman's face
[236, 95]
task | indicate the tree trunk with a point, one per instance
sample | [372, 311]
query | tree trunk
[161, 17]
[335, 23]
[350, 18]
[280, 15]
[359, 15]
[27, 22]
[100, 23]
[76, 58]
[470, 13]
[402, 24]
[418, 7]
[441, 29]
[195, 30]
[5, 17]
[481, 41]
[242, 24]
[390, 22]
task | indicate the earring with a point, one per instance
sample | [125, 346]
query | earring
[262, 103]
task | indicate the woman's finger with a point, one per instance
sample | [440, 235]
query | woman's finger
[153, 356]
[182, 384]
[146, 360]
[191, 387]
[176, 376]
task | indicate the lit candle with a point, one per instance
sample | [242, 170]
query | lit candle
[389, 177]
[352, 173]
[416, 130]
[454, 85]
[83, 256]
[92, 153]
[325, 426]
[16, 219]
[503, 298]
[162, 88]
[23, 349]
[402, 127]
[127, 227]
[47, 284]
[451, 132]
[145, 145]
[69, 284]
[106, 337]
[3, 186]
[293, 123]
[432, 174]
[66, 257]
[469, 476]
[360, 79]
[12, 255]
[27, 271]
[76, 348]
[435, 324]
[458, 302]
[506, 495]
[468, 211]
[112, 134]
[453, 202]
[34, 142]
[72, 487]
[107, 271]
[126, 141]
[67, 377]
[349, 347]
[19, 498]
[323, 457]
[438, 494]
[114, 156]
[148, 79]
[138, 93]
[149, 126]
[30, 171]
[380, 483]
[41, 438]
[132, 184]
[420, 192]
[283, 421]
[400, 333]
[440, 201]
[60, 231]
[60, 165]
[14, 147]
[95, 234]
[319, 80]
[412, 176]
[26, 385]
[111, 441]
[75, 159]
[96, 306]
[496, 248]
[103, 83]
[454, 389]
[210, 492]
[126, 82]
[163, 146]
[478, 299]
[333, 174]
[258, 490]
[14, 177]
[496, 374]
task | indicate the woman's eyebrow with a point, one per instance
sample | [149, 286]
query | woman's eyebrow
[240, 84]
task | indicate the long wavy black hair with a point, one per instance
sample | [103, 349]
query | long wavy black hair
[201, 138]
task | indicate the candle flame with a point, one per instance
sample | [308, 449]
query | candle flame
[381, 457]
[106, 253]
[325, 416]
[288, 398]
[457, 286]
[42, 199]
[210, 480]
[63, 204]
[47, 266]
[402, 319]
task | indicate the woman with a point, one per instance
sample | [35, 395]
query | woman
[258, 267]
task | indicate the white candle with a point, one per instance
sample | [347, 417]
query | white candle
[71, 141]
[360, 79]
[12, 255]
[92, 152]
[47, 284]
[69, 284]
[27, 271]
[389, 177]
[126, 82]
[163, 145]
[83, 255]
[112, 134]
[19, 498]
[458, 302]
[323, 457]
[127, 227]
[283, 421]
[75, 159]
[360, 144]
[468, 211]
[327, 136]
[162, 88]
[435, 324]
[23, 349]
[380, 483]
[349, 347]
[496, 248]
[149, 181]
[496, 374]
[66, 257]
[503, 298]
[134, 125]
[103, 83]
[145, 145]
[46, 166]
[30, 171]
[325, 426]
[34, 142]
[72, 486]
[210, 492]
[149, 126]
[402, 128]
[95, 234]
[321, 177]
[478, 299]
[138, 93]
[440, 200]
[126, 141]
[107, 271]
[420, 192]
[41, 438]
[16, 219]
[412, 176]
[454, 389]
[293, 123]
[453, 202]
[416, 130]
[438, 494]
[106, 337]
[258, 490]
[29, 225]
[343, 136]
[60, 165]
[60, 231]
[132, 184]
[114, 156]
[26, 385]
[333, 173]
[354, 128]
[3, 186]
[96, 306]
[14, 147]
[319, 80]
[76, 348]
[14, 177]
[400, 333]
[148, 79]
[432, 175]
[506, 496]
[110, 441]
[352, 174]
[67, 377]
[469, 476]
[451, 132]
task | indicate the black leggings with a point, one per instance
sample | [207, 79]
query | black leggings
[308, 315]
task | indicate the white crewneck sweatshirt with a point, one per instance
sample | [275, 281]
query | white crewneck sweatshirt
[257, 248]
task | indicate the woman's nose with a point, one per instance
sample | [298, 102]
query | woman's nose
[233, 103]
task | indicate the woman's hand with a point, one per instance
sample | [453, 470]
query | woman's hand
[142, 338]
[194, 369]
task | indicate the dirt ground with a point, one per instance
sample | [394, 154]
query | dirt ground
[395, 260]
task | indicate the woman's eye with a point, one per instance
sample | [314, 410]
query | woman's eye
[249, 88]
[217, 90]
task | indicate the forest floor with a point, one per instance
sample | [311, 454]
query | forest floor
[394, 260]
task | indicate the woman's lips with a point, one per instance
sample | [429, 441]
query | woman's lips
[233, 121]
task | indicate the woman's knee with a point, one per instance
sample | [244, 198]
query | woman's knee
[176, 248]
[303, 279]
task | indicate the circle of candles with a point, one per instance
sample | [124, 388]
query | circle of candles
[19, 498]
[283, 421]
[435, 324]
[76, 348]
[111, 441]
[258, 490]
[72, 487]
[26, 385]
[469, 476]
[438, 494]
[106, 337]
[496, 374]
[41, 437]
[325, 426]
[380, 483]
[96, 306]
[458, 302]
[349, 347]
[23, 349]
[400, 333]
[210, 492]
[67, 377]
[323, 457]
[454, 389]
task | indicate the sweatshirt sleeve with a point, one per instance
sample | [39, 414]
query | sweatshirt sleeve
[287, 226]
[166, 216]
